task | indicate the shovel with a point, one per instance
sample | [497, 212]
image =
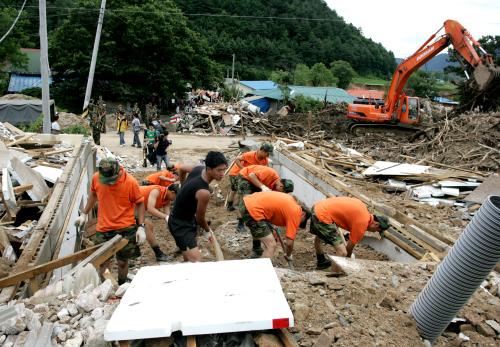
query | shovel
[277, 236]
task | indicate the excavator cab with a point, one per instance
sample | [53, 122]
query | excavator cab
[409, 112]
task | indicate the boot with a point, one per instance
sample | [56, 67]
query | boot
[241, 226]
[256, 253]
[323, 263]
[160, 256]
[256, 249]
[230, 206]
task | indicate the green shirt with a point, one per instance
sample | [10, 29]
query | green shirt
[151, 135]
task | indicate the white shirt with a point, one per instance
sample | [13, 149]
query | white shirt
[56, 126]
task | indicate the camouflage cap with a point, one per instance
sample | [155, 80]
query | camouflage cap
[383, 221]
[109, 170]
[267, 147]
[287, 185]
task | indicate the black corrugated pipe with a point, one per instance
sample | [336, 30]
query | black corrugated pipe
[465, 267]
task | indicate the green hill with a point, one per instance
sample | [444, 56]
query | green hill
[267, 35]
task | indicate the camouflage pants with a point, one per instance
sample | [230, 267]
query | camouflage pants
[258, 229]
[131, 249]
[245, 188]
[234, 183]
[96, 135]
[328, 233]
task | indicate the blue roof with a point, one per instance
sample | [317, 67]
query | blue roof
[259, 85]
[20, 82]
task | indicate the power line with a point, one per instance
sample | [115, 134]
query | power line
[14, 23]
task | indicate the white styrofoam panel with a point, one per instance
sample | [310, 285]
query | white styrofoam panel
[200, 298]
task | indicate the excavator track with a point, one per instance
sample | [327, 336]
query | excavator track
[354, 127]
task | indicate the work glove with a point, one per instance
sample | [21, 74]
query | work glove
[140, 235]
[166, 218]
[289, 257]
[81, 219]
[264, 188]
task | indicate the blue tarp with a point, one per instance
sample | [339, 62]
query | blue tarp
[443, 100]
[262, 103]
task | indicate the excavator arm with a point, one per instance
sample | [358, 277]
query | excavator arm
[464, 44]
[397, 105]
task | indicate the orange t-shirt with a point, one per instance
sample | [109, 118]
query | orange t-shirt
[161, 200]
[265, 174]
[247, 159]
[116, 202]
[155, 178]
[348, 213]
[276, 208]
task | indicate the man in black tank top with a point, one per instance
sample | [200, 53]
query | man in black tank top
[191, 205]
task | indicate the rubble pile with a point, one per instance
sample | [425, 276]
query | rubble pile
[242, 117]
[30, 165]
[69, 320]
[469, 141]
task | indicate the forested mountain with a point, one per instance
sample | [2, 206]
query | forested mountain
[436, 64]
[155, 48]
[265, 44]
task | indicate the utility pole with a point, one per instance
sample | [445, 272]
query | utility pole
[44, 67]
[232, 71]
[90, 81]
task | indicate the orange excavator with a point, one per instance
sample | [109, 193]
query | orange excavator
[403, 111]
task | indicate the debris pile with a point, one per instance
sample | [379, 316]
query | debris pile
[31, 164]
[469, 141]
[69, 319]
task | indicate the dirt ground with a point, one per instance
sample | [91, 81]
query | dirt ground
[369, 307]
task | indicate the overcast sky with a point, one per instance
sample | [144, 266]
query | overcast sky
[402, 26]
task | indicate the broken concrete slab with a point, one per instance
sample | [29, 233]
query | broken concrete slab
[50, 174]
[26, 175]
[490, 186]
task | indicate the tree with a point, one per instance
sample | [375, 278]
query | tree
[491, 44]
[281, 77]
[321, 76]
[10, 54]
[422, 84]
[302, 75]
[344, 72]
[146, 49]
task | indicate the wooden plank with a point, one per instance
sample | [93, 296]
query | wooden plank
[22, 139]
[13, 129]
[108, 253]
[437, 244]
[287, 338]
[51, 265]
[22, 188]
[215, 244]
[214, 130]
[59, 151]
[191, 341]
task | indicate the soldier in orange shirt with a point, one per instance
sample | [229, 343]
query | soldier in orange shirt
[259, 157]
[156, 198]
[256, 178]
[119, 200]
[161, 178]
[349, 214]
[260, 210]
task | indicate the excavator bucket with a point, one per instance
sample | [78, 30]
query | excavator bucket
[484, 75]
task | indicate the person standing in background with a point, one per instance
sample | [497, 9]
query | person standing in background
[121, 124]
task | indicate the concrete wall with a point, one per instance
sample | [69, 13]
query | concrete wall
[309, 189]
